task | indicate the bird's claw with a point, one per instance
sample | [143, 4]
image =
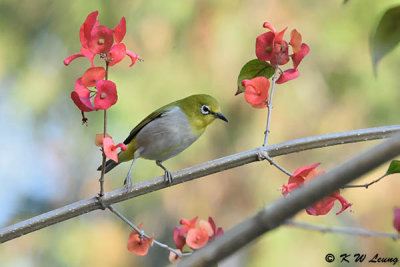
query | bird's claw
[168, 177]
[128, 183]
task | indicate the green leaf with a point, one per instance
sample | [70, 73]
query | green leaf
[345, 2]
[394, 167]
[386, 36]
[254, 68]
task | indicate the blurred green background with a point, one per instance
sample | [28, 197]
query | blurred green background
[48, 159]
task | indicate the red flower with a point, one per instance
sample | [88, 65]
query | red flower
[138, 244]
[98, 40]
[198, 237]
[179, 239]
[110, 150]
[271, 47]
[256, 93]
[322, 207]
[396, 221]
[106, 94]
[187, 225]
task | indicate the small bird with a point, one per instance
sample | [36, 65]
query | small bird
[168, 131]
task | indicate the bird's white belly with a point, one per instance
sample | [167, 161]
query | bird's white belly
[166, 136]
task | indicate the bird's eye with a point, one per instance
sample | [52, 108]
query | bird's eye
[205, 109]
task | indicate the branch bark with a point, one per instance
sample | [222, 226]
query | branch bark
[279, 211]
[214, 166]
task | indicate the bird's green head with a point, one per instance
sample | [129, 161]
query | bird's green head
[201, 110]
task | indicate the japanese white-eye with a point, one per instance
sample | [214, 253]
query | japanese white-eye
[168, 131]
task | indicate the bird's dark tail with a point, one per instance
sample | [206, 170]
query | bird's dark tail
[110, 164]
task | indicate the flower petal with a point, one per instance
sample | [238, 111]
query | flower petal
[396, 221]
[173, 258]
[109, 149]
[179, 239]
[295, 41]
[138, 245]
[264, 46]
[88, 54]
[256, 92]
[206, 226]
[298, 57]
[269, 26]
[288, 75]
[120, 30]
[345, 204]
[117, 53]
[302, 172]
[82, 90]
[83, 103]
[106, 94]
[133, 57]
[101, 39]
[98, 141]
[92, 75]
[87, 27]
[279, 36]
[69, 59]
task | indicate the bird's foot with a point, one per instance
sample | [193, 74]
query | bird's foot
[128, 182]
[168, 177]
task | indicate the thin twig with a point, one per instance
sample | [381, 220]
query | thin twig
[269, 105]
[142, 233]
[84, 206]
[279, 211]
[341, 230]
[364, 185]
[264, 155]
[103, 164]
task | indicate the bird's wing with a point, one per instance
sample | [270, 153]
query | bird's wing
[153, 116]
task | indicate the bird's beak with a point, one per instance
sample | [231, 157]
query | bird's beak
[220, 116]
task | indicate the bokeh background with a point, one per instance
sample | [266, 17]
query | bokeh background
[48, 159]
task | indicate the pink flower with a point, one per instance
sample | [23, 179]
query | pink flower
[137, 244]
[110, 150]
[198, 237]
[98, 40]
[256, 93]
[271, 47]
[216, 232]
[396, 221]
[322, 207]
[106, 94]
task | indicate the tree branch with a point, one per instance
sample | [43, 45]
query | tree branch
[279, 211]
[217, 165]
[341, 230]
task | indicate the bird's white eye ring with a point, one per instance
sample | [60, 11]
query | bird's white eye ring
[205, 109]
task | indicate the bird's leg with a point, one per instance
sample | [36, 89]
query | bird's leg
[167, 174]
[128, 180]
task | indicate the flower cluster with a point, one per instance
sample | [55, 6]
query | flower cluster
[109, 148]
[194, 237]
[139, 244]
[322, 207]
[99, 40]
[271, 47]
[272, 51]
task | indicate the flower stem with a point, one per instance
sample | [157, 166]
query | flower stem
[269, 105]
[103, 165]
[142, 233]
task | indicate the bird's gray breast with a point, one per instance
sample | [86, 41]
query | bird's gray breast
[165, 136]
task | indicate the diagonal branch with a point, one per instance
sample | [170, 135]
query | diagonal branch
[279, 211]
[214, 166]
